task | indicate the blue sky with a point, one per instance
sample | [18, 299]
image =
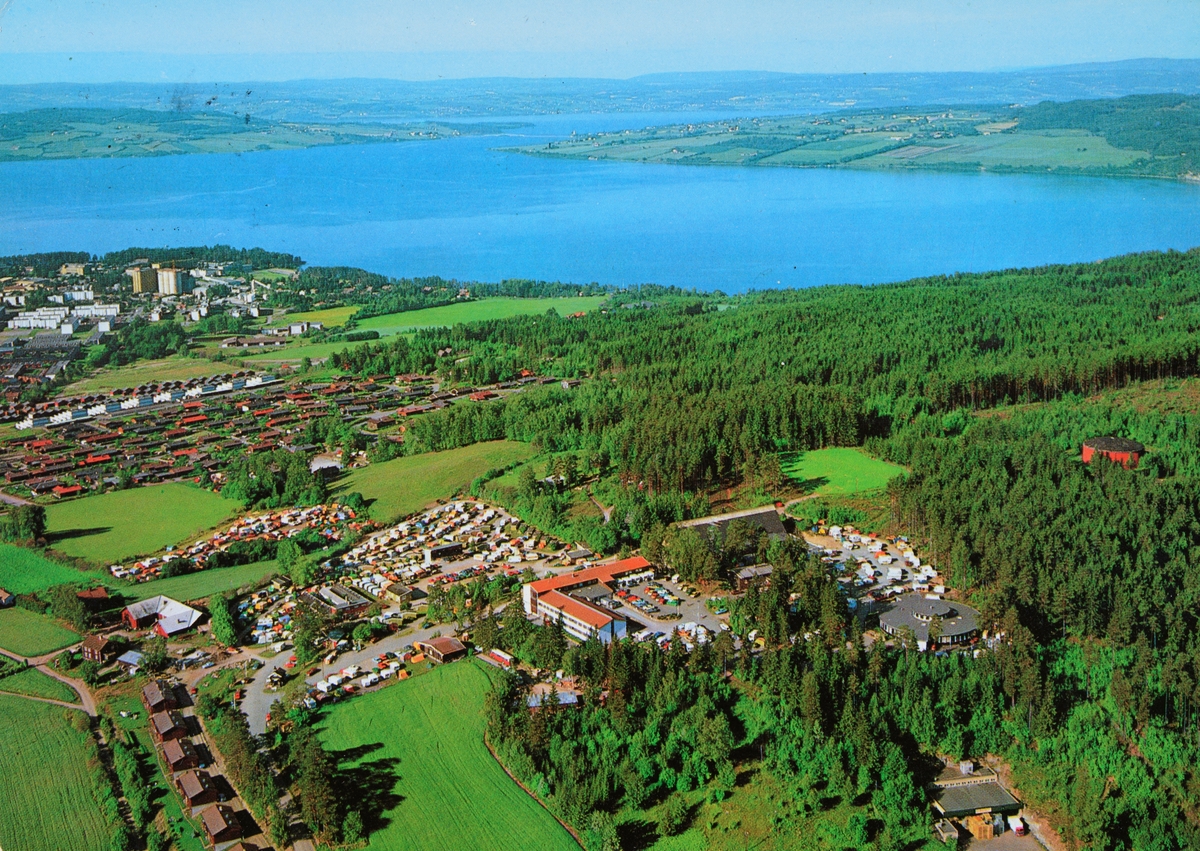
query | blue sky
[206, 40]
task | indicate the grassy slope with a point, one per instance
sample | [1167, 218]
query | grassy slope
[50, 803]
[426, 766]
[116, 526]
[475, 311]
[435, 317]
[145, 372]
[33, 682]
[839, 471]
[196, 586]
[405, 485]
[24, 571]
[26, 634]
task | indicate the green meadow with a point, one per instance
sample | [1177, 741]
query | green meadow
[429, 783]
[121, 525]
[405, 485]
[839, 471]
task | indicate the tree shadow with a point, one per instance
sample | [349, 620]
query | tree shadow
[371, 785]
[637, 834]
[53, 538]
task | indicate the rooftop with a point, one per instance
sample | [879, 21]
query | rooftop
[601, 573]
[1114, 444]
[966, 800]
[917, 612]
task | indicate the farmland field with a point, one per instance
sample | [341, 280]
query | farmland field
[31, 681]
[837, 471]
[27, 634]
[404, 485]
[116, 526]
[23, 571]
[432, 782]
[146, 372]
[50, 802]
[195, 586]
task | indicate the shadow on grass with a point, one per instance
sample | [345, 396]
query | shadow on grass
[370, 784]
[67, 534]
[637, 834]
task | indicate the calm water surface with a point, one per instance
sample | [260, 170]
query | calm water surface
[459, 208]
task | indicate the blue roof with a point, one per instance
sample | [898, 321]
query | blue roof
[130, 658]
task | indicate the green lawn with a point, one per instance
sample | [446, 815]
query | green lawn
[196, 586]
[26, 634]
[24, 571]
[33, 682]
[117, 526]
[404, 485]
[839, 471]
[50, 801]
[425, 773]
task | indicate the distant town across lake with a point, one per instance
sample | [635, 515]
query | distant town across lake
[458, 207]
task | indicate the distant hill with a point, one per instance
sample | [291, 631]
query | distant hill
[743, 91]
[1154, 135]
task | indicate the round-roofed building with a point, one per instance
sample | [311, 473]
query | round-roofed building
[957, 623]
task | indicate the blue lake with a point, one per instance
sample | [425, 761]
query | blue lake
[459, 208]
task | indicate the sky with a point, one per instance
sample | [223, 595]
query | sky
[96, 41]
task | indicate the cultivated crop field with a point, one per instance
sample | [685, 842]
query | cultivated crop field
[404, 485]
[839, 471]
[33, 682]
[50, 803]
[27, 634]
[205, 583]
[24, 571]
[427, 768]
[120, 525]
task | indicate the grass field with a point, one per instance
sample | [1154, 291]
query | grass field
[475, 311]
[146, 372]
[404, 485]
[50, 802]
[838, 471]
[116, 526]
[429, 317]
[26, 634]
[330, 318]
[24, 571]
[417, 747]
[33, 682]
[196, 586]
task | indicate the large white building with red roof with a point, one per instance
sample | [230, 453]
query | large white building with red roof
[552, 599]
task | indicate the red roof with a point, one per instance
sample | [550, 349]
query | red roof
[601, 573]
[590, 615]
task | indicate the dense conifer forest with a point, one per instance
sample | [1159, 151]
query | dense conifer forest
[983, 386]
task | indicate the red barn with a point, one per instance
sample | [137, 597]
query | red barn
[1115, 449]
